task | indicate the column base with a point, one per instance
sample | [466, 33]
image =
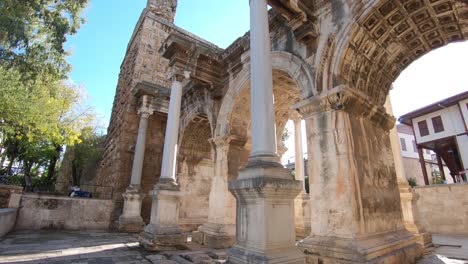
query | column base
[160, 238]
[424, 240]
[265, 230]
[130, 225]
[130, 221]
[240, 255]
[217, 236]
[391, 248]
[164, 233]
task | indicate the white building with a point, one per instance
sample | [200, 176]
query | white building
[442, 128]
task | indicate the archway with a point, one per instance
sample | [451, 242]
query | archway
[356, 192]
[388, 35]
[291, 83]
[195, 171]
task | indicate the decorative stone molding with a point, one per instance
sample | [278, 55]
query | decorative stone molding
[342, 98]
[300, 18]
[145, 110]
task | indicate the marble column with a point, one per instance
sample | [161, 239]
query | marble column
[264, 190]
[302, 201]
[299, 152]
[407, 195]
[130, 220]
[163, 231]
[219, 231]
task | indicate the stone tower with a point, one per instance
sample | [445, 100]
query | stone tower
[163, 8]
[137, 73]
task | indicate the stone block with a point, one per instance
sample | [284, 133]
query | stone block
[394, 247]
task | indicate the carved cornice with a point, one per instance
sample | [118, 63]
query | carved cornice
[188, 54]
[300, 16]
[343, 98]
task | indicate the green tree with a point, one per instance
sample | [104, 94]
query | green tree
[32, 35]
[38, 119]
[86, 154]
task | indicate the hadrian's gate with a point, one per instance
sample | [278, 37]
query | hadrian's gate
[333, 64]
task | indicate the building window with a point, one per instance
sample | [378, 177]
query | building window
[403, 144]
[428, 151]
[423, 129]
[437, 124]
[415, 149]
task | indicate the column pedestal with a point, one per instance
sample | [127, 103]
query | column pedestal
[408, 204]
[163, 232]
[302, 211]
[130, 221]
[265, 230]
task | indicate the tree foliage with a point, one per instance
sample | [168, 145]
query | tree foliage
[33, 32]
[39, 112]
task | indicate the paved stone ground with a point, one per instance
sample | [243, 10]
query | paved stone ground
[117, 248]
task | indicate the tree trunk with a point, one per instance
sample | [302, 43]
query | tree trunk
[74, 175]
[10, 165]
[53, 163]
[27, 176]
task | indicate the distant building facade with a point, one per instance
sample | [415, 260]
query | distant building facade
[442, 128]
[410, 157]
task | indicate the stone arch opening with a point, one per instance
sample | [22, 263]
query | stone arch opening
[234, 122]
[195, 171]
[388, 35]
[285, 66]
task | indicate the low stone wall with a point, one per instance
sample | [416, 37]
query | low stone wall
[443, 209]
[10, 196]
[65, 213]
[7, 220]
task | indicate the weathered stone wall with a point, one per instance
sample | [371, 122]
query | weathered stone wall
[10, 196]
[413, 170]
[66, 213]
[195, 184]
[443, 208]
[140, 64]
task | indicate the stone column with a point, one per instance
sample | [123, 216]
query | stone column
[302, 201]
[163, 231]
[299, 153]
[357, 215]
[130, 220]
[264, 190]
[219, 231]
[407, 195]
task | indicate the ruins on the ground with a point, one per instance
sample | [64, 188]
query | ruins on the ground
[181, 140]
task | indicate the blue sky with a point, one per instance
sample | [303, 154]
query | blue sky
[99, 47]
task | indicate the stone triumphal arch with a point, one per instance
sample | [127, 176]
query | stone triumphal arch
[192, 142]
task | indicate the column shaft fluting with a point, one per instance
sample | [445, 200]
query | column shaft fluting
[263, 119]
[168, 169]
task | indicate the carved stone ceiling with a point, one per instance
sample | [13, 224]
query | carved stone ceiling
[395, 34]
